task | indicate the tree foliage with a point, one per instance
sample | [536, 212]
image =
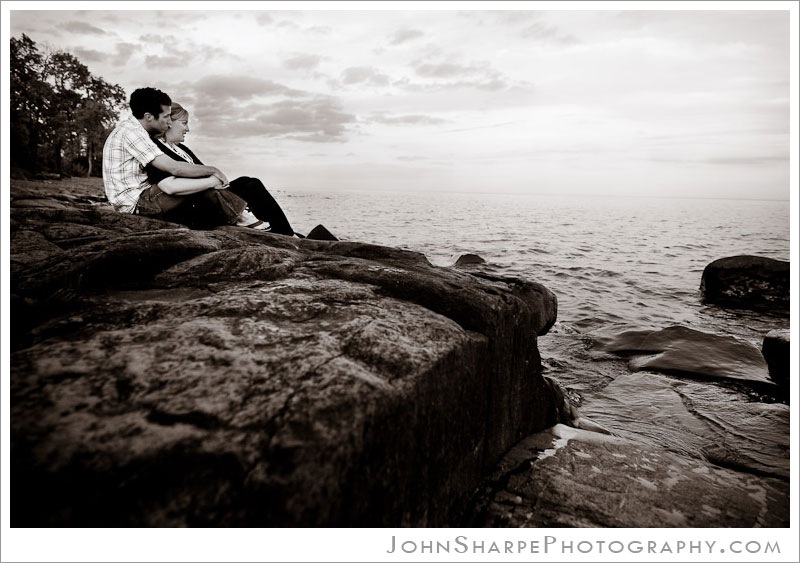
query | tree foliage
[60, 113]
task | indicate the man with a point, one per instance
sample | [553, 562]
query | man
[129, 149]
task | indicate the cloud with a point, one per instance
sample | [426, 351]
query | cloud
[287, 24]
[547, 33]
[447, 75]
[264, 19]
[224, 88]
[89, 55]
[532, 22]
[158, 61]
[302, 62]
[178, 52]
[410, 119]
[83, 28]
[510, 17]
[443, 70]
[477, 75]
[431, 87]
[438, 75]
[319, 120]
[315, 138]
[364, 75]
[124, 52]
[404, 35]
[533, 26]
[319, 30]
[413, 158]
[155, 38]
[492, 126]
[243, 107]
[120, 57]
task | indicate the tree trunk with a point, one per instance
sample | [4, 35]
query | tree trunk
[33, 150]
[57, 156]
[90, 158]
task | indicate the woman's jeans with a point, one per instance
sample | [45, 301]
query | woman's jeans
[262, 204]
[200, 210]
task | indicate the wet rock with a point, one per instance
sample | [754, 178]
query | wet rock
[697, 420]
[469, 260]
[565, 477]
[749, 282]
[775, 349]
[321, 233]
[167, 377]
[683, 351]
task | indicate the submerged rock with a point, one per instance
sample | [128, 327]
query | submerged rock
[683, 351]
[749, 282]
[168, 377]
[697, 420]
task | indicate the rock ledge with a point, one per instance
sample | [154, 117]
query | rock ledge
[168, 377]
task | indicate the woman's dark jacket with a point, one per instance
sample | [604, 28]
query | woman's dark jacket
[154, 175]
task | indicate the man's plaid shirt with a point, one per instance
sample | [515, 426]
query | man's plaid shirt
[127, 151]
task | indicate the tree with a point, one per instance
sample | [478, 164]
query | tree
[60, 113]
[29, 96]
[96, 115]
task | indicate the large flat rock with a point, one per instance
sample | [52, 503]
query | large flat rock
[168, 377]
[696, 420]
[679, 350]
[570, 478]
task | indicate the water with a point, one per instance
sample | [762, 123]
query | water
[616, 264]
[625, 261]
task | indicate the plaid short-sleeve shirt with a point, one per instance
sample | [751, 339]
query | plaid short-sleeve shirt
[127, 151]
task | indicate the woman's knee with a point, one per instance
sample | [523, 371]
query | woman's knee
[252, 183]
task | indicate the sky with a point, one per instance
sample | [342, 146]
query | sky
[601, 102]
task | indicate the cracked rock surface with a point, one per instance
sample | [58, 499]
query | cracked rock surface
[162, 376]
[560, 478]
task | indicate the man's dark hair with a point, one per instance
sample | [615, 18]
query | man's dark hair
[148, 100]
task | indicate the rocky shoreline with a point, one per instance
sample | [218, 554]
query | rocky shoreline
[169, 377]
[162, 376]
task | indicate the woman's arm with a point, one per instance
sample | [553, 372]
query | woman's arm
[186, 169]
[184, 186]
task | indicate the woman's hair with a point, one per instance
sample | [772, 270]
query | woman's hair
[178, 112]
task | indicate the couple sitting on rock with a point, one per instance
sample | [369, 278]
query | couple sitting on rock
[148, 171]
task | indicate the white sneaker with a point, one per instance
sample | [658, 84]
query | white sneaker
[247, 219]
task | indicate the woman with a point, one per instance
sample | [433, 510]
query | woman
[202, 201]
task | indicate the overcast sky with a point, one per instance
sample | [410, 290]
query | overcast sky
[687, 103]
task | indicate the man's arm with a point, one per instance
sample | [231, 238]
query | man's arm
[187, 170]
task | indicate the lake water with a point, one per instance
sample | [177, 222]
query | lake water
[615, 264]
[625, 262]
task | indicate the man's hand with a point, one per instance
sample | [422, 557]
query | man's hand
[217, 183]
[224, 179]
